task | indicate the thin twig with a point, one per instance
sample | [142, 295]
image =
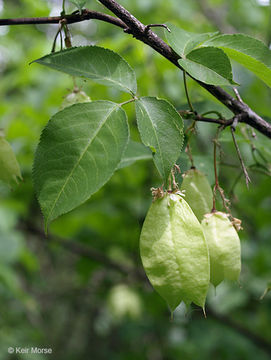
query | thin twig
[70, 19]
[55, 39]
[188, 115]
[259, 341]
[213, 112]
[233, 127]
[128, 101]
[216, 177]
[63, 7]
[83, 250]
[157, 25]
[189, 153]
[61, 40]
[238, 97]
[250, 136]
[186, 92]
[217, 186]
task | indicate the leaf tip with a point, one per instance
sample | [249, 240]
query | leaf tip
[34, 61]
[234, 83]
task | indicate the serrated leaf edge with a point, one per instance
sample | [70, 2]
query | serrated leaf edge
[229, 81]
[47, 219]
[181, 130]
[131, 91]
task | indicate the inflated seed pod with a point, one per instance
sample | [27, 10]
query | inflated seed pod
[174, 252]
[224, 247]
[77, 96]
[198, 192]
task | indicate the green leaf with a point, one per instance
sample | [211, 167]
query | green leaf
[135, 151]
[9, 167]
[79, 150]
[101, 65]
[183, 41]
[209, 65]
[161, 128]
[79, 4]
[249, 52]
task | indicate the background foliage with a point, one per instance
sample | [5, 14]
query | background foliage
[94, 306]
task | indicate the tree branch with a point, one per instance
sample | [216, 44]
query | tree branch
[259, 341]
[84, 251]
[138, 30]
[143, 33]
[187, 115]
[70, 19]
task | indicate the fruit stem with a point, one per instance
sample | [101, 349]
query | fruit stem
[216, 177]
[186, 93]
[217, 186]
[189, 154]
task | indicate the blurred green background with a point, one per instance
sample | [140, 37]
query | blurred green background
[82, 291]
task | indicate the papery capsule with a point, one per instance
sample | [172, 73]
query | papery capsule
[198, 192]
[174, 252]
[224, 247]
[77, 96]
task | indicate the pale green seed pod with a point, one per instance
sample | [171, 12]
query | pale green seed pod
[224, 247]
[174, 252]
[124, 302]
[9, 167]
[198, 192]
[74, 98]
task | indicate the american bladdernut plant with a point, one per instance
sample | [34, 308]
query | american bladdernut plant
[185, 243]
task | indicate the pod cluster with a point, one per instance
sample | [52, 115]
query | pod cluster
[184, 246]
